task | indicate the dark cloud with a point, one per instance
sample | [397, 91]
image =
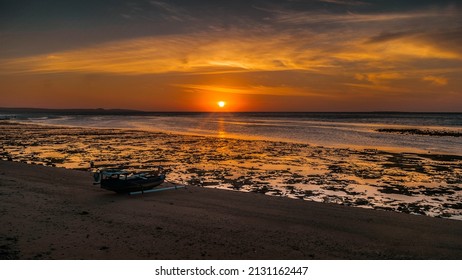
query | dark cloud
[450, 39]
[34, 27]
[389, 36]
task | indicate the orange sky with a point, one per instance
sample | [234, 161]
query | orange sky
[283, 56]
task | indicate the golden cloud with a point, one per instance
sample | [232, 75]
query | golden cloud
[250, 90]
[181, 53]
[439, 81]
[235, 51]
[379, 77]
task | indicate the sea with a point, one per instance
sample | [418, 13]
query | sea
[389, 131]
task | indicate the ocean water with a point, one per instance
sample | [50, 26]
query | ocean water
[350, 130]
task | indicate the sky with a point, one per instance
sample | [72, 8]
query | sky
[186, 55]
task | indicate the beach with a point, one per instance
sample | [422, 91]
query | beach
[419, 183]
[55, 213]
[244, 199]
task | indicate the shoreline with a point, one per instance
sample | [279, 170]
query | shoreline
[387, 149]
[56, 213]
[378, 128]
[425, 184]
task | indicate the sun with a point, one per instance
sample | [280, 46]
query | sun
[221, 104]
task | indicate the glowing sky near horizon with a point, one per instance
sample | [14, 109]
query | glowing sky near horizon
[178, 55]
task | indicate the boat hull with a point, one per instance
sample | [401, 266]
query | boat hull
[132, 185]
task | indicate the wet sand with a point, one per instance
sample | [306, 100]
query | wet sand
[414, 183]
[55, 213]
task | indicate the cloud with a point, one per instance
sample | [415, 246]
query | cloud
[308, 17]
[438, 81]
[448, 41]
[237, 51]
[250, 90]
[379, 77]
[345, 2]
[172, 12]
[376, 88]
[156, 11]
[399, 49]
[390, 36]
[196, 53]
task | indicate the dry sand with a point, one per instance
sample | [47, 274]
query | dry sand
[54, 213]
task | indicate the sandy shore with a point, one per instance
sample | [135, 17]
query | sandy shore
[54, 213]
[425, 184]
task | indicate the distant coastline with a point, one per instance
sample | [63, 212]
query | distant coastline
[121, 111]
[97, 111]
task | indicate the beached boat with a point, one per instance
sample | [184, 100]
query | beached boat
[121, 181]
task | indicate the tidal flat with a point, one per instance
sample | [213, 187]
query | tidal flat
[415, 183]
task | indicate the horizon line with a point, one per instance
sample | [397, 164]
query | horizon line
[138, 111]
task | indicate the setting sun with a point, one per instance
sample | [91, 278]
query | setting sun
[221, 104]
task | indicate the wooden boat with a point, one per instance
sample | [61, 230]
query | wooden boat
[121, 181]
